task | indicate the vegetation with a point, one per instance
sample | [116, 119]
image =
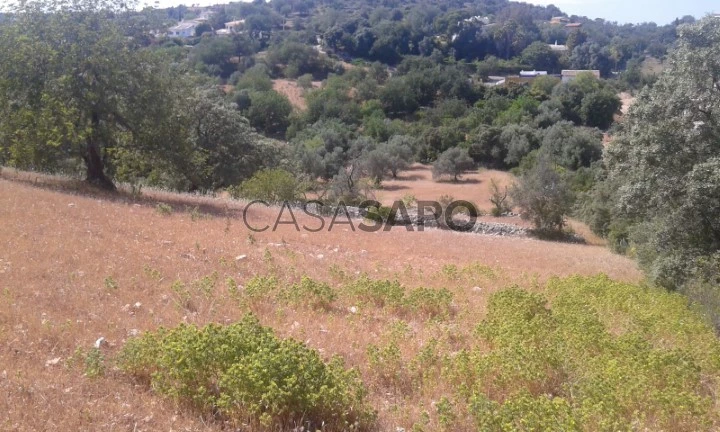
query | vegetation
[246, 373]
[90, 89]
[575, 365]
[543, 197]
[452, 162]
[658, 196]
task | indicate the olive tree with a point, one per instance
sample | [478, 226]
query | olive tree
[453, 162]
[73, 86]
[543, 197]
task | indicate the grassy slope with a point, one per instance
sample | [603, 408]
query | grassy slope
[73, 266]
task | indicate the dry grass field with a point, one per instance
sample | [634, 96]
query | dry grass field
[77, 265]
[294, 93]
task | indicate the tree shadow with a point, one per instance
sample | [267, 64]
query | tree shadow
[460, 181]
[177, 200]
[391, 188]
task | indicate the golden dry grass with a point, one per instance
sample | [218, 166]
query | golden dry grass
[293, 92]
[75, 262]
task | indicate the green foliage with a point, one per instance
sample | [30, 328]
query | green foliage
[541, 57]
[381, 214]
[318, 295]
[377, 292]
[663, 175]
[246, 373]
[602, 356]
[571, 147]
[255, 79]
[453, 162]
[164, 209]
[429, 302]
[543, 197]
[94, 363]
[293, 59]
[269, 112]
[426, 302]
[272, 185]
[260, 287]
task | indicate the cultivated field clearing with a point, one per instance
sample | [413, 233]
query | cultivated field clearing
[76, 267]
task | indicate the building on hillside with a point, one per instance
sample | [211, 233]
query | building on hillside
[558, 48]
[184, 29]
[524, 77]
[532, 74]
[569, 75]
[233, 26]
[478, 19]
[573, 25]
[559, 20]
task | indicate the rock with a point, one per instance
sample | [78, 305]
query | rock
[137, 305]
[125, 308]
[71, 205]
[100, 342]
[53, 362]
[240, 257]
[320, 256]
[477, 289]
[353, 309]
[133, 332]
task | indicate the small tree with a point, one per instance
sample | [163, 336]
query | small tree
[454, 162]
[399, 153]
[543, 197]
[272, 185]
[269, 112]
[498, 198]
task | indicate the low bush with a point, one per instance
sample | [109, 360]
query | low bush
[245, 374]
[310, 292]
[601, 355]
[272, 185]
[428, 302]
[378, 292]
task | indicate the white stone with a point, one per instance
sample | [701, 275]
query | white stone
[52, 362]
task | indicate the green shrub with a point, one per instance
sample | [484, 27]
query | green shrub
[310, 292]
[384, 214]
[429, 302]
[601, 355]
[260, 287]
[272, 185]
[246, 374]
[380, 293]
[164, 209]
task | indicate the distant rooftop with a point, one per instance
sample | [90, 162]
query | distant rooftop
[185, 25]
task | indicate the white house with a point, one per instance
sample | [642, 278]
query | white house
[234, 25]
[532, 74]
[558, 48]
[184, 29]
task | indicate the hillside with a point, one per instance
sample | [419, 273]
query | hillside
[79, 266]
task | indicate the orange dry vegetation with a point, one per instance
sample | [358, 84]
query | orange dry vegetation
[474, 186]
[293, 92]
[77, 264]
